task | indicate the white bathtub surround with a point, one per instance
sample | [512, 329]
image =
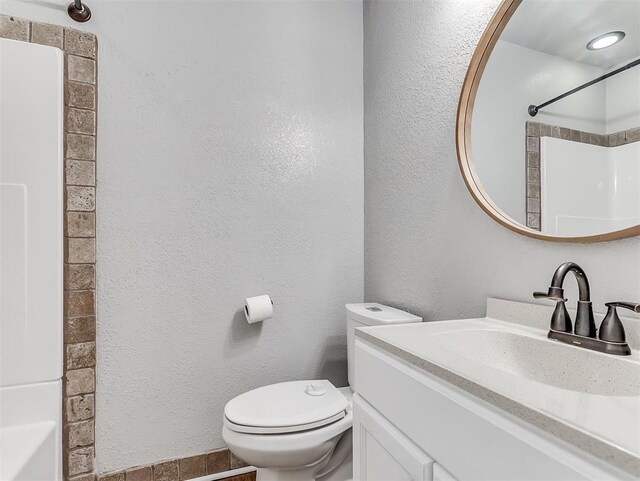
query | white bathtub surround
[604, 192]
[31, 256]
[579, 407]
[31, 186]
[30, 432]
[610, 156]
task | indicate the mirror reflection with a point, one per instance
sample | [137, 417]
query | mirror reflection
[556, 122]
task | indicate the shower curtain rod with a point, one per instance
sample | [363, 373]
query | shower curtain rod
[78, 11]
[534, 109]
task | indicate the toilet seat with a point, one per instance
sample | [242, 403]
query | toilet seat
[239, 428]
[287, 407]
[290, 450]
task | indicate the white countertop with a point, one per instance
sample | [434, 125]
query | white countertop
[588, 399]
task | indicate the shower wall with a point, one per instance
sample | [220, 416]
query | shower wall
[31, 245]
[603, 193]
[31, 190]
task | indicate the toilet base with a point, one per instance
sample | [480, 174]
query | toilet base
[267, 474]
[343, 472]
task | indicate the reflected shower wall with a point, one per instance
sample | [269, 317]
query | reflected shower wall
[588, 189]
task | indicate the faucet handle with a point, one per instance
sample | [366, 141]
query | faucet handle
[611, 329]
[632, 306]
[560, 319]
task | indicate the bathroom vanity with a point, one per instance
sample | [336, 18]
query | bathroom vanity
[493, 399]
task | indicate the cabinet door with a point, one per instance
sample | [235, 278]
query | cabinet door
[381, 452]
[439, 474]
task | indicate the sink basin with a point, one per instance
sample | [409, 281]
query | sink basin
[545, 361]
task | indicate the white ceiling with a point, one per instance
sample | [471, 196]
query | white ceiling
[564, 27]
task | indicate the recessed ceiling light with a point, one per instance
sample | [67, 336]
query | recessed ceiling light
[605, 40]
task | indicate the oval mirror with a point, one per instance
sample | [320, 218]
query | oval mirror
[548, 130]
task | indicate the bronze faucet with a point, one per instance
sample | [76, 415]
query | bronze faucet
[611, 338]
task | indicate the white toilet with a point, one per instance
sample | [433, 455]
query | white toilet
[301, 430]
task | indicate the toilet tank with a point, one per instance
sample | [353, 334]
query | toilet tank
[371, 314]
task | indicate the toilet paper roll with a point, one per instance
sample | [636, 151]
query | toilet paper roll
[258, 308]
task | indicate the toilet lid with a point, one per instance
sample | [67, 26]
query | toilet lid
[286, 407]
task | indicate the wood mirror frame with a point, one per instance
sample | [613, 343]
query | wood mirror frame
[463, 135]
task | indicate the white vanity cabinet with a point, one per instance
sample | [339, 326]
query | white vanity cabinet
[381, 452]
[411, 425]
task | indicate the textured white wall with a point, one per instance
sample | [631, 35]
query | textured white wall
[514, 78]
[428, 246]
[230, 154]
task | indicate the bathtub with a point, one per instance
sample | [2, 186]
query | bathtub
[30, 434]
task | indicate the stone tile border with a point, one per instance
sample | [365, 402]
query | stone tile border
[80, 84]
[536, 130]
[181, 469]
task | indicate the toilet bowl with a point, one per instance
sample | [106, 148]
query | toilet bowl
[298, 430]
[301, 430]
